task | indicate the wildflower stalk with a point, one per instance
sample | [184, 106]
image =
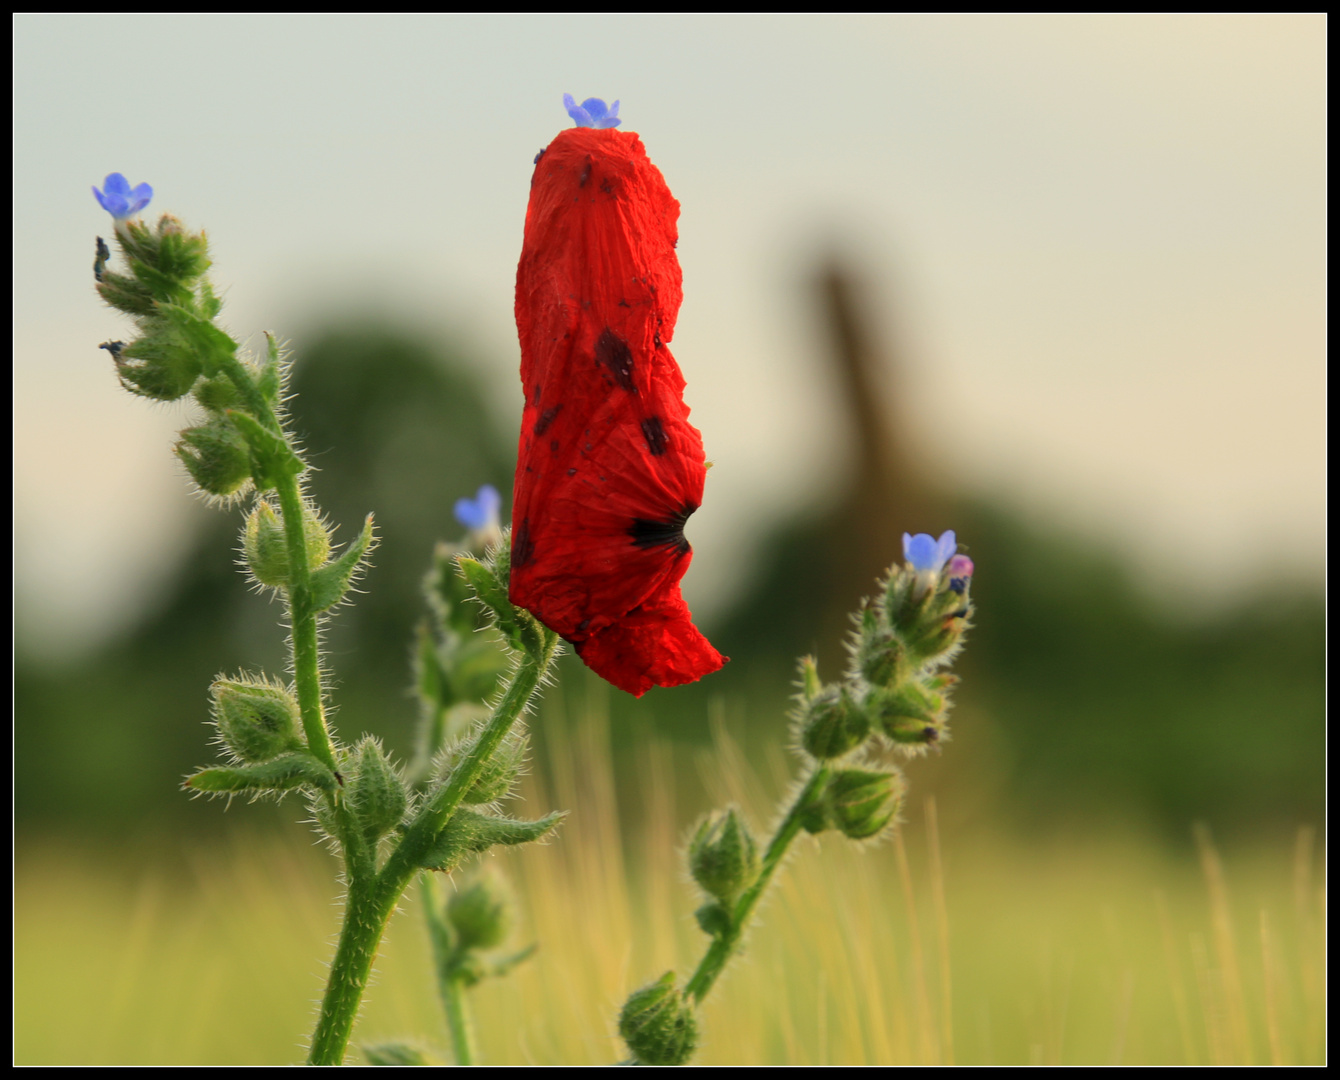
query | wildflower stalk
[372, 901]
[720, 951]
[242, 449]
[894, 696]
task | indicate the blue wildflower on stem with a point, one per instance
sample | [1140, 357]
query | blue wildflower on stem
[480, 516]
[926, 554]
[592, 112]
[120, 200]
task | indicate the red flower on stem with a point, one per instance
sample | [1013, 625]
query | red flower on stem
[609, 467]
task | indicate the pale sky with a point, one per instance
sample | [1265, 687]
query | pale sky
[1103, 236]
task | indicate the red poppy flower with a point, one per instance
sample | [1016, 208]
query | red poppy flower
[609, 467]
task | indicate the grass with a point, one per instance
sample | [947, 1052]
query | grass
[973, 947]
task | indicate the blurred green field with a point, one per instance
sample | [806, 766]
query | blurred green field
[1104, 949]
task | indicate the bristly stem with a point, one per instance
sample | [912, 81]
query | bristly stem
[449, 986]
[371, 901]
[725, 944]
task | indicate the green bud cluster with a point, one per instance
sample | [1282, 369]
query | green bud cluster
[658, 1024]
[480, 913]
[893, 688]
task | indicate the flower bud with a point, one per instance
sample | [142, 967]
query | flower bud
[658, 1025]
[912, 713]
[499, 773]
[861, 802]
[481, 913]
[217, 394]
[832, 724]
[215, 454]
[257, 720]
[881, 657]
[161, 365]
[723, 856]
[375, 792]
[266, 546]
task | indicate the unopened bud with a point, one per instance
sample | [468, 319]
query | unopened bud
[861, 802]
[257, 720]
[266, 545]
[658, 1025]
[376, 793]
[481, 913]
[833, 724]
[215, 454]
[911, 713]
[723, 856]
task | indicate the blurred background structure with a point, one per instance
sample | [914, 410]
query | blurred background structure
[1054, 282]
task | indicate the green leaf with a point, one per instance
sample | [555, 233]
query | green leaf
[468, 832]
[332, 581]
[281, 774]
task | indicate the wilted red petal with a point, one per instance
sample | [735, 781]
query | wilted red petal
[609, 467]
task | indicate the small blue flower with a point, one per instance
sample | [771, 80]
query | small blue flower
[480, 514]
[120, 200]
[592, 112]
[926, 554]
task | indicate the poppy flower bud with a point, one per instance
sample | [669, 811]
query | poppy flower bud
[658, 1024]
[375, 792]
[266, 547]
[723, 856]
[216, 456]
[481, 913]
[257, 719]
[832, 724]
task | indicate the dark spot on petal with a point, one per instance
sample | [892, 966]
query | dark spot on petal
[583, 625]
[654, 433]
[572, 472]
[656, 340]
[607, 187]
[668, 534]
[546, 418]
[586, 172]
[553, 445]
[624, 303]
[535, 397]
[522, 547]
[613, 354]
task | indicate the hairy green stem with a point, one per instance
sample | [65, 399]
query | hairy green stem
[445, 962]
[458, 1020]
[724, 945]
[371, 902]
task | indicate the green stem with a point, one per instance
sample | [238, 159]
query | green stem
[458, 1020]
[445, 963]
[725, 945]
[371, 902]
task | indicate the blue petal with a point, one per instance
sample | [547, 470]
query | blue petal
[577, 112]
[481, 512]
[596, 107]
[611, 119]
[140, 197]
[116, 184]
[945, 549]
[920, 551]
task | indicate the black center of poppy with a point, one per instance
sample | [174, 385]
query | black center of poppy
[649, 533]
